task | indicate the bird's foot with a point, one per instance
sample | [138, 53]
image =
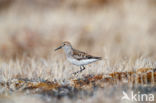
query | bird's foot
[76, 72]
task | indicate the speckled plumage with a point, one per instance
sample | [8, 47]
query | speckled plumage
[77, 57]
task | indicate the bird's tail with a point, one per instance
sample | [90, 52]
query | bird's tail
[100, 58]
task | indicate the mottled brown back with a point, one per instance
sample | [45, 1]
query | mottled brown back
[79, 55]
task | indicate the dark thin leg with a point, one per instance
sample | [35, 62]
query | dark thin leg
[81, 69]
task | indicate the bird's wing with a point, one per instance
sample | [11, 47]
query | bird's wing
[79, 55]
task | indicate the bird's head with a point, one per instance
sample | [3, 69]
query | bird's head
[65, 44]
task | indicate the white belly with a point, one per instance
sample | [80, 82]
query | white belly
[81, 62]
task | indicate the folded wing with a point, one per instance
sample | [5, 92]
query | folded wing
[79, 55]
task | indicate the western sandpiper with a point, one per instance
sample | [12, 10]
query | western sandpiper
[77, 57]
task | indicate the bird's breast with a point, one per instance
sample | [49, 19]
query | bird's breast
[80, 62]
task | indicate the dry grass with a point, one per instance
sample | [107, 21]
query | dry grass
[122, 32]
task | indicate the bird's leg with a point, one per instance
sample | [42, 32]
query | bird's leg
[81, 69]
[77, 71]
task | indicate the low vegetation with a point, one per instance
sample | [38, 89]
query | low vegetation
[122, 33]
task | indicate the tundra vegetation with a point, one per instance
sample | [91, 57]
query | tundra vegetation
[122, 32]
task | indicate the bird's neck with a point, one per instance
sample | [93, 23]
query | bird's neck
[68, 51]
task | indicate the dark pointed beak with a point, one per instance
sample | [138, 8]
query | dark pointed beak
[58, 48]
